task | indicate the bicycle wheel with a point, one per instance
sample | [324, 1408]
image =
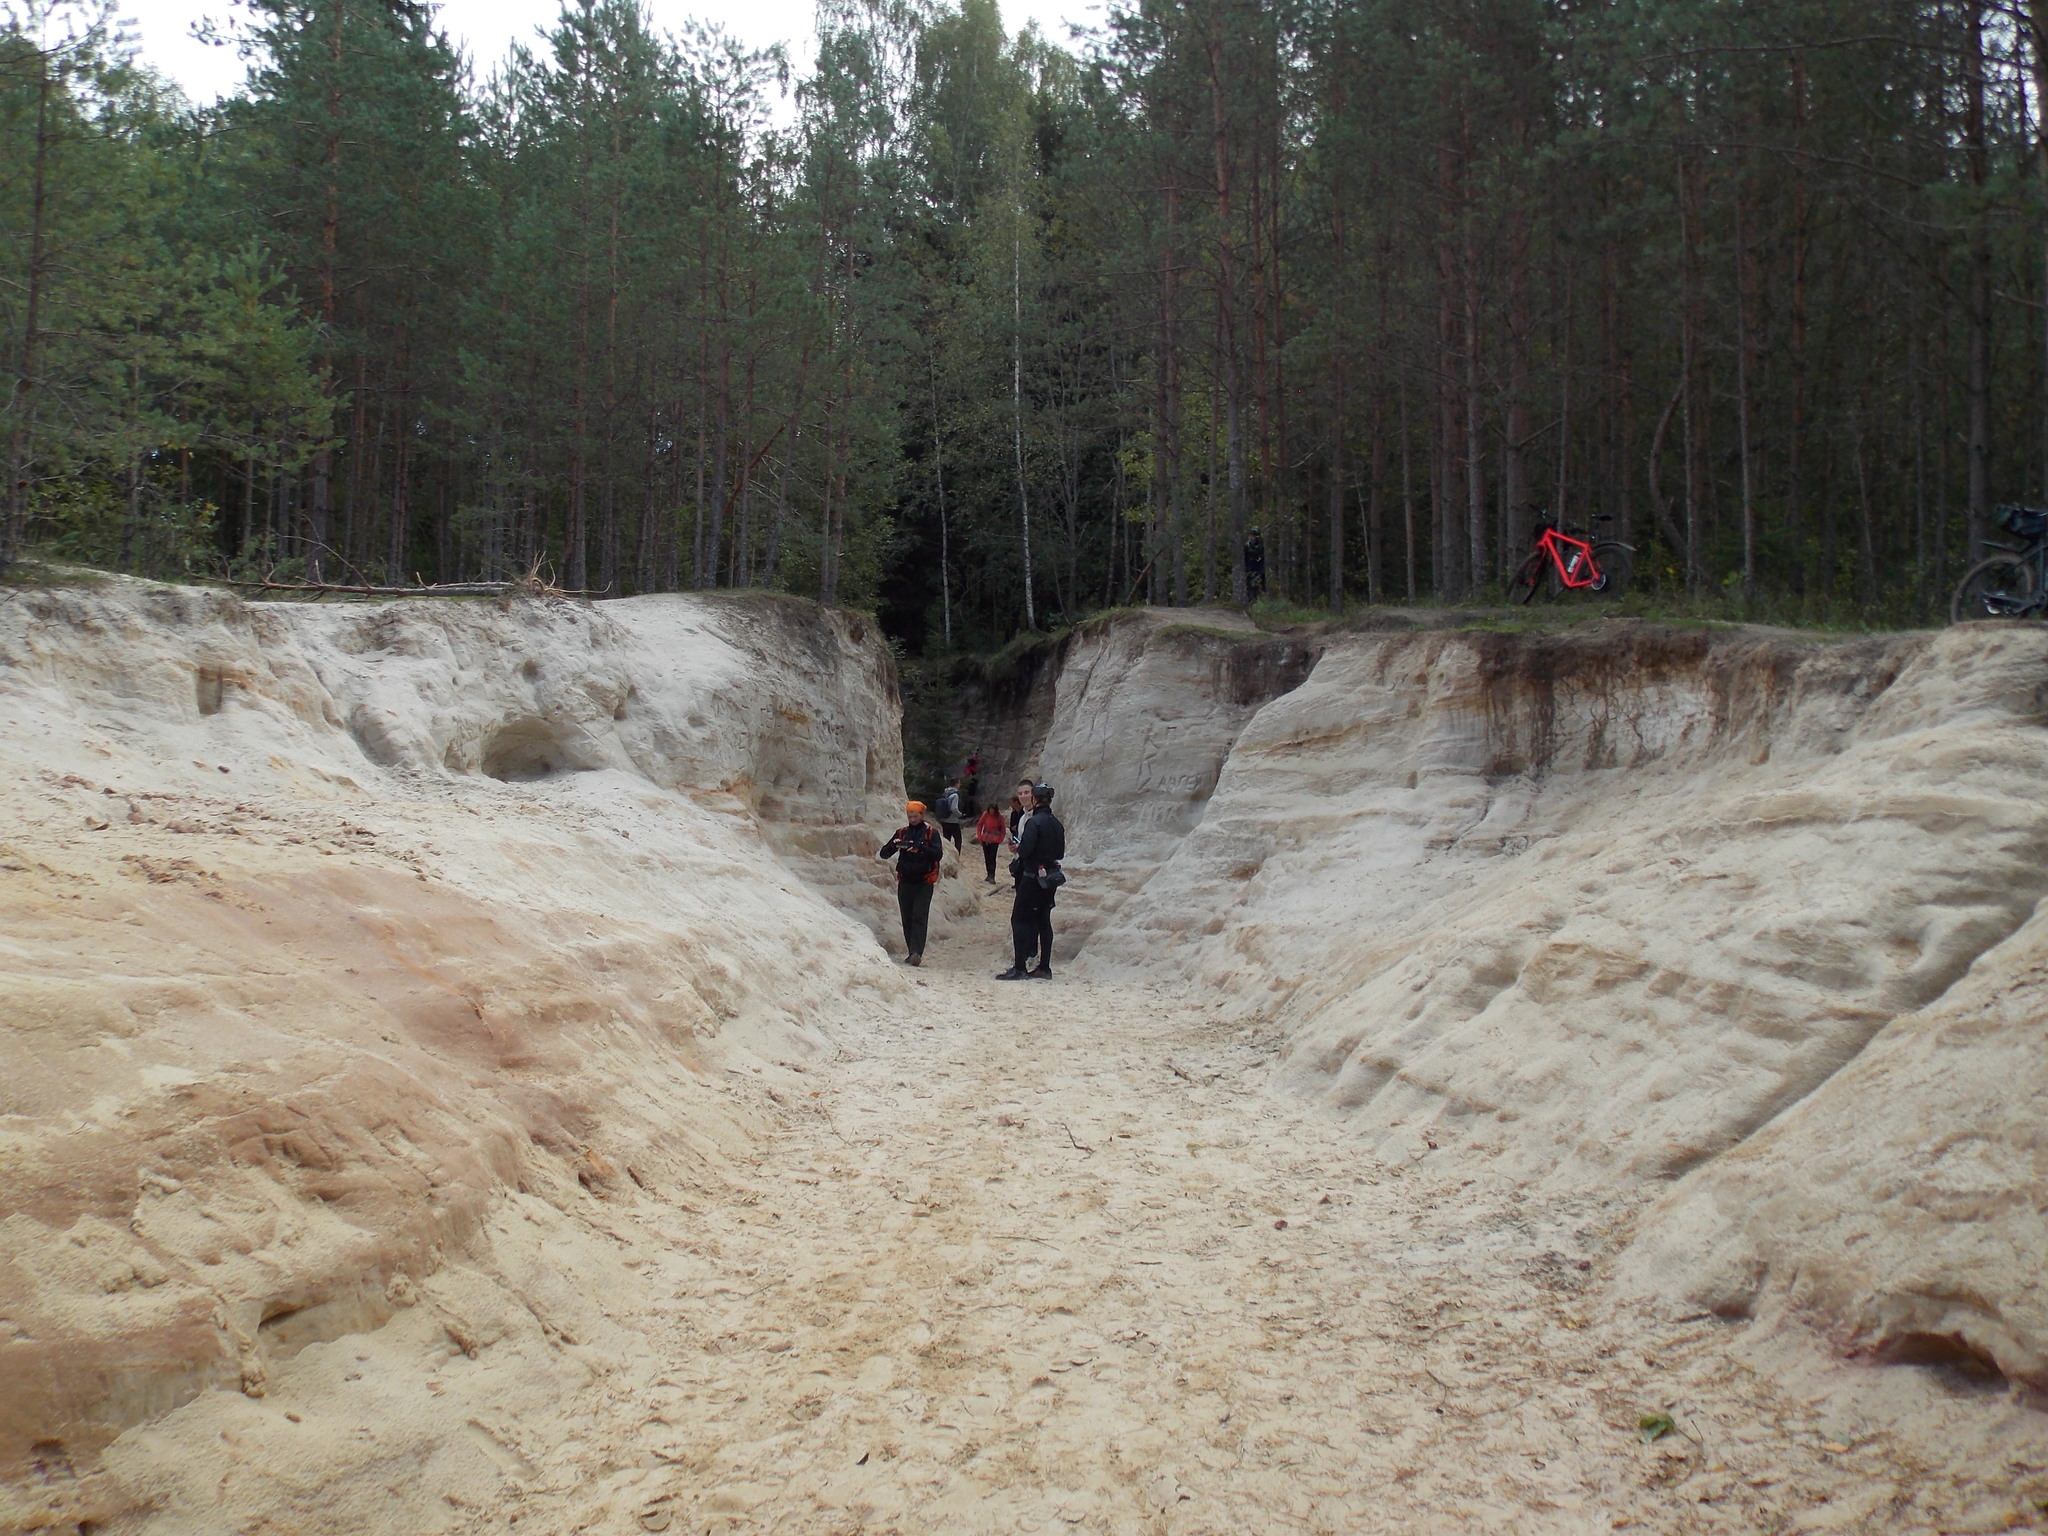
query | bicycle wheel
[1523, 588]
[1616, 564]
[1998, 588]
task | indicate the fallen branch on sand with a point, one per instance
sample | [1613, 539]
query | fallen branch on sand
[532, 584]
[520, 588]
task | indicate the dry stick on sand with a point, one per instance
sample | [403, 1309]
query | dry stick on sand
[324, 588]
[532, 584]
[443, 589]
[1090, 1151]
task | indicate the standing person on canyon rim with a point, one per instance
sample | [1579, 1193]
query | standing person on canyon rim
[918, 851]
[990, 832]
[1041, 845]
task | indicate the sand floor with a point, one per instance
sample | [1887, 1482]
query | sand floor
[1047, 1257]
[1050, 1256]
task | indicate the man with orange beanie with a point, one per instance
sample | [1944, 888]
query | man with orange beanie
[918, 851]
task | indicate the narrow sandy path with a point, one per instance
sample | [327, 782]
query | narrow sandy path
[1048, 1257]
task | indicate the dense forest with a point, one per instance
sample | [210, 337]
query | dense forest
[985, 332]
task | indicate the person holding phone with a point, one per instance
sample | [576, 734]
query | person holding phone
[918, 851]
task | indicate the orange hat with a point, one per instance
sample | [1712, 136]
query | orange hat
[914, 808]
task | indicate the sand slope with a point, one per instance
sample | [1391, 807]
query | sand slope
[1587, 910]
[325, 933]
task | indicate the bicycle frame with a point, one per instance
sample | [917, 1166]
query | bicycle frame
[1573, 558]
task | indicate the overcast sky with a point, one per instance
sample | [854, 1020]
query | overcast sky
[485, 28]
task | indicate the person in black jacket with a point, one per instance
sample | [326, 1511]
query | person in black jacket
[1041, 845]
[918, 851]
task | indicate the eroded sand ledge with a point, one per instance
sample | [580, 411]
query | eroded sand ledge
[443, 1076]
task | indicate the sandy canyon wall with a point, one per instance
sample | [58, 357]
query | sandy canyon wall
[1738, 918]
[355, 957]
[1131, 718]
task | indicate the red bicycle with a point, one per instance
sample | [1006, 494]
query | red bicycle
[1566, 562]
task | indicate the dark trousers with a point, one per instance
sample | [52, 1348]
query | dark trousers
[988, 857]
[951, 829]
[914, 901]
[1031, 924]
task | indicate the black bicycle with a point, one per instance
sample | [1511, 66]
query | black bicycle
[2012, 585]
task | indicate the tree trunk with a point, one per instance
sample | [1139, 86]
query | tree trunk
[1475, 467]
[939, 479]
[721, 431]
[1226, 312]
[319, 512]
[131, 517]
[2037, 54]
[697, 528]
[398, 533]
[1407, 503]
[1744, 368]
[1978, 155]
[1688, 362]
[1375, 530]
[351, 539]
[1209, 488]
[1171, 397]
[1447, 513]
[1017, 404]
[646, 572]
[21, 448]
[773, 558]
[1339, 494]
[1795, 424]
[1866, 535]
[1514, 488]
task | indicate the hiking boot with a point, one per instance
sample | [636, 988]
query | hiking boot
[916, 959]
[1014, 973]
[1040, 973]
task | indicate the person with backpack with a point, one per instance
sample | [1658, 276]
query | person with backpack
[1041, 845]
[950, 816]
[918, 851]
[990, 832]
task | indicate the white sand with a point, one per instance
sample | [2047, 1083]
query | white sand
[395, 1148]
[919, 1305]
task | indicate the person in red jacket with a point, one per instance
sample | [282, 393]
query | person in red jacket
[918, 851]
[991, 833]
